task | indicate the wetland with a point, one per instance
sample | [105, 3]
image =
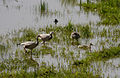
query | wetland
[97, 22]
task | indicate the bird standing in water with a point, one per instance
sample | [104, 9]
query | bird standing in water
[55, 21]
[75, 35]
[30, 45]
[46, 37]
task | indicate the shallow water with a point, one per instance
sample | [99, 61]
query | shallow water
[108, 68]
[21, 14]
[17, 14]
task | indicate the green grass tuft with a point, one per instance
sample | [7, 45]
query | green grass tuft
[101, 55]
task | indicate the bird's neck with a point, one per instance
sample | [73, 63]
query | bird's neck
[90, 47]
[50, 36]
[37, 42]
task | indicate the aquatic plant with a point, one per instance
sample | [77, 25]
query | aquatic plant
[99, 55]
[69, 27]
[41, 9]
[2, 47]
[69, 2]
[26, 34]
[108, 10]
[86, 31]
[60, 48]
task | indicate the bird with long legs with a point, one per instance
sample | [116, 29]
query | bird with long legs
[30, 45]
[46, 37]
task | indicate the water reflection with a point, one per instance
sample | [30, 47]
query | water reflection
[4, 2]
[75, 43]
[16, 14]
[31, 62]
[69, 2]
[41, 8]
[40, 13]
[108, 68]
[45, 47]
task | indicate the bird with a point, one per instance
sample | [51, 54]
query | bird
[30, 45]
[46, 37]
[55, 21]
[85, 46]
[75, 35]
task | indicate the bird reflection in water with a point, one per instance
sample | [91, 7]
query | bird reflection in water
[31, 62]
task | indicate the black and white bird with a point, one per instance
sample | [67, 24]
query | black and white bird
[75, 35]
[46, 37]
[55, 21]
[30, 45]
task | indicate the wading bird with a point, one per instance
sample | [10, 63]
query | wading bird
[85, 47]
[30, 45]
[46, 37]
[75, 35]
[55, 21]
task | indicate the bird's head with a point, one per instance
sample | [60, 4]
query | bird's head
[55, 21]
[38, 36]
[51, 33]
[91, 44]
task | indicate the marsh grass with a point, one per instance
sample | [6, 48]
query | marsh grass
[99, 55]
[46, 50]
[2, 47]
[86, 31]
[58, 48]
[41, 9]
[48, 72]
[14, 63]
[108, 10]
[21, 63]
[69, 2]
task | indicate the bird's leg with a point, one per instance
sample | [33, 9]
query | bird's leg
[31, 54]
[90, 48]
[77, 42]
[25, 50]
[43, 42]
[73, 40]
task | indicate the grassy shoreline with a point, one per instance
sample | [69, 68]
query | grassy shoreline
[103, 55]
[109, 11]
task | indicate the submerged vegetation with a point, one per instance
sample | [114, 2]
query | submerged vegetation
[60, 57]
[19, 64]
[103, 55]
[48, 72]
[42, 8]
